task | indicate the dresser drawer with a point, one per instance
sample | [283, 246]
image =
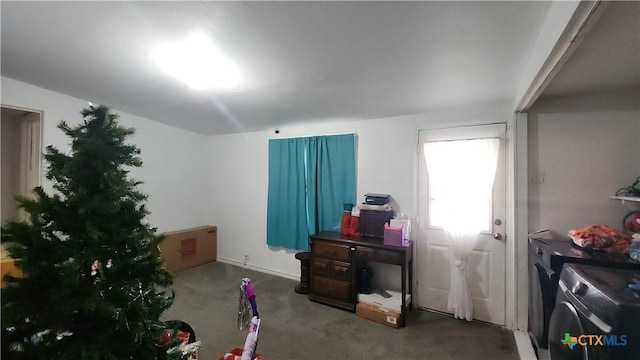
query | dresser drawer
[331, 250]
[386, 256]
[337, 289]
[331, 268]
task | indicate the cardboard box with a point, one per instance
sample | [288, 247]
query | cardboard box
[393, 303]
[378, 314]
[188, 248]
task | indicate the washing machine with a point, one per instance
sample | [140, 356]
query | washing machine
[547, 256]
[597, 314]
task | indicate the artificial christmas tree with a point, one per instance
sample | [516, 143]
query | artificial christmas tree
[93, 285]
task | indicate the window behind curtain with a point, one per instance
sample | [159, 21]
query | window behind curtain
[309, 181]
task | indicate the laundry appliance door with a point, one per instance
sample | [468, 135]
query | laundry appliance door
[540, 305]
[565, 323]
[596, 314]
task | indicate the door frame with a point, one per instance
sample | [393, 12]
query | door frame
[496, 311]
[516, 279]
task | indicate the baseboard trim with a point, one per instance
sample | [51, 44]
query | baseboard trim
[258, 268]
[525, 348]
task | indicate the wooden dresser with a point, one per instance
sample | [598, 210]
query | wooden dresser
[336, 260]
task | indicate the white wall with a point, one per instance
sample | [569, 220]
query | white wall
[588, 147]
[562, 21]
[386, 163]
[172, 170]
[194, 180]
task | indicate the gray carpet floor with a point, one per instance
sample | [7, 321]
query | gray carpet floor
[295, 328]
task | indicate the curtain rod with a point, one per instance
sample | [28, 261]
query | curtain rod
[277, 132]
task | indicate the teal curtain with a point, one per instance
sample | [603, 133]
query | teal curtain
[309, 181]
[336, 180]
[287, 199]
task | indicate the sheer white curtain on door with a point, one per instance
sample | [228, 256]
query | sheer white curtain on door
[463, 171]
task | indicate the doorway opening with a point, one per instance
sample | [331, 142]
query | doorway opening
[21, 158]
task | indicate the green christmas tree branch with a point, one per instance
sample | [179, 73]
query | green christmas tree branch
[93, 286]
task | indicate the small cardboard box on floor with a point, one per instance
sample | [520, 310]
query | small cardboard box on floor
[188, 248]
[378, 314]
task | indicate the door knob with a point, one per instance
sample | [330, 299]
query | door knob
[497, 236]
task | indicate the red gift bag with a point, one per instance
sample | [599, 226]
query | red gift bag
[345, 223]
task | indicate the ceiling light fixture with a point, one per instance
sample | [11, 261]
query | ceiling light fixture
[198, 63]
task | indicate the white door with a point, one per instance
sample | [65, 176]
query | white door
[486, 264]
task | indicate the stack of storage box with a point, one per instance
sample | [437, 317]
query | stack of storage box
[374, 213]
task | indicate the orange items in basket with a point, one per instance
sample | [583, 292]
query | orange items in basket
[236, 354]
[601, 237]
[184, 336]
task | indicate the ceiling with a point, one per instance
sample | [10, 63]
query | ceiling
[607, 57]
[300, 61]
